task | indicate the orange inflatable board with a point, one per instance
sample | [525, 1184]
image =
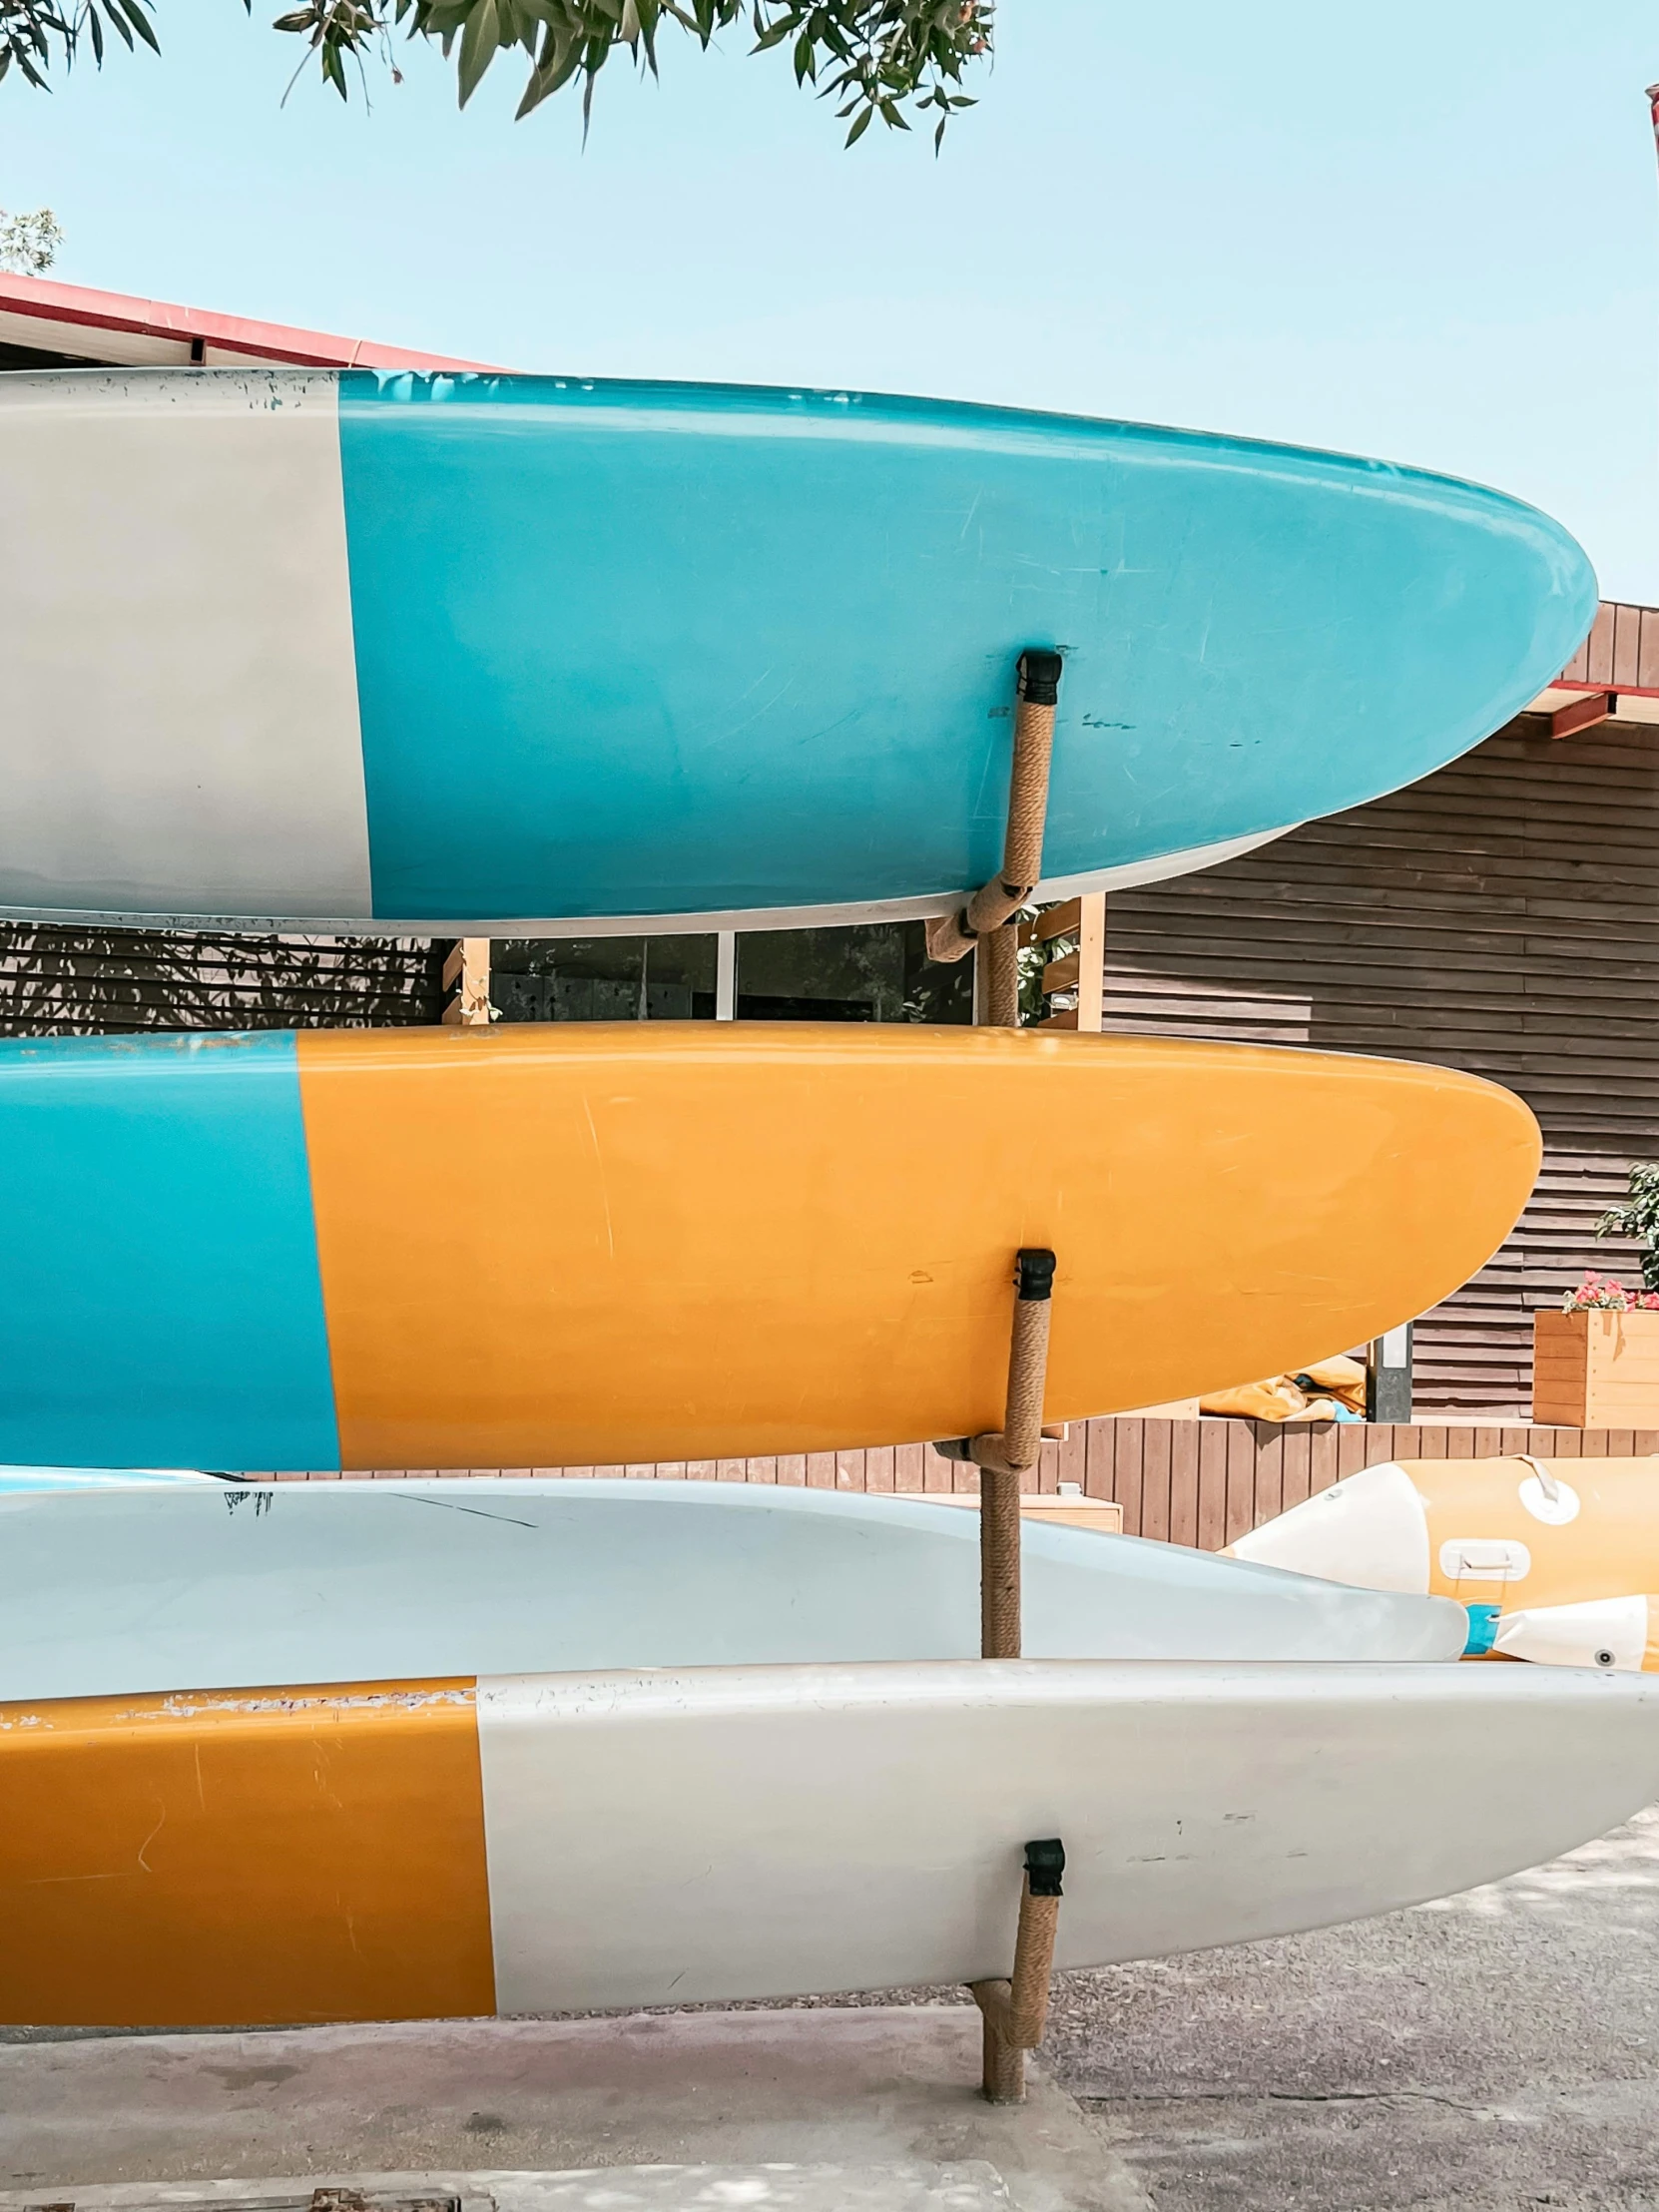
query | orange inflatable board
[1616, 1633]
[586, 1243]
[1548, 1545]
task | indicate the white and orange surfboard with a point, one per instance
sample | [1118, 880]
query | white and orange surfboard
[407, 1849]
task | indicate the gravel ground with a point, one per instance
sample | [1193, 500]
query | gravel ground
[1496, 2051]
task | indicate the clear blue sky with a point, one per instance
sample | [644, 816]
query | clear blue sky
[1430, 233]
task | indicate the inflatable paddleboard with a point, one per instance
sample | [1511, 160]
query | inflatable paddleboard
[335, 1581]
[1613, 1632]
[445, 654]
[1509, 1536]
[586, 1243]
[530, 1843]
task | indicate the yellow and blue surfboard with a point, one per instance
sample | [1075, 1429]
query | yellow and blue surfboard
[591, 1244]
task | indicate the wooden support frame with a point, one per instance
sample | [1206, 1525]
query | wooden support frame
[467, 983]
[994, 905]
[1015, 2011]
[1004, 1455]
[1583, 714]
[1082, 970]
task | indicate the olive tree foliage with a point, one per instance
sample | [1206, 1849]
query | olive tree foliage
[29, 243]
[886, 59]
[35, 34]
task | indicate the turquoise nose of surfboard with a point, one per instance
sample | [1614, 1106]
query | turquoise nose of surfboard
[1371, 1530]
[1615, 1634]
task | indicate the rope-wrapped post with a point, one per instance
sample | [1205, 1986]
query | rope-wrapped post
[1015, 2013]
[1003, 1455]
[1000, 979]
[953, 936]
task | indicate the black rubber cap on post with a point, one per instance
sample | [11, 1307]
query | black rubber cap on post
[1035, 1274]
[1039, 677]
[1045, 1862]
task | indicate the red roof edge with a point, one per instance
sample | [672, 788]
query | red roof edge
[116, 310]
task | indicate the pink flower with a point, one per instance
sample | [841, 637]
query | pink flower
[1605, 1294]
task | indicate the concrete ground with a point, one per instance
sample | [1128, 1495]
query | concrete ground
[888, 2091]
[973, 2186]
[1499, 2049]
[1493, 2051]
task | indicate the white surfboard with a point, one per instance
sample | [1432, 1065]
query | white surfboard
[748, 1834]
[214, 1586]
[527, 1844]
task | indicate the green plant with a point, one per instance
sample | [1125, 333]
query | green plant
[1033, 959]
[30, 31]
[870, 58]
[1638, 1217]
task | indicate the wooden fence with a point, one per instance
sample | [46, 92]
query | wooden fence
[1501, 916]
[1201, 1482]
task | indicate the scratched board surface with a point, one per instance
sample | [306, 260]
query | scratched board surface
[430, 653]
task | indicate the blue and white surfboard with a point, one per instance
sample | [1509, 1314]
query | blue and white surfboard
[435, 654]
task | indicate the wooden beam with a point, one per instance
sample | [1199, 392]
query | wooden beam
[1082, 970]
[1059, 921]
[466, 972]
[1091, 961]
[1583, 714]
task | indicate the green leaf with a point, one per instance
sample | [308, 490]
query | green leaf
[480, 37]
[896, 58]
[139, 20]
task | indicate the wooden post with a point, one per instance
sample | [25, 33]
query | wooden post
[996, 977]
[725, 975]
[995, 903]
[467, 976]
[1082, 972]
[1091, 961]
[1015, 2013]
[1004, 1455]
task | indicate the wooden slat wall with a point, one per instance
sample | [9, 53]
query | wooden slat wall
[76, 982]
[1502, 916]
[1621, 651]
[1199, 1482]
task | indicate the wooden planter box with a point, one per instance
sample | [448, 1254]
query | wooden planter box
[1595, 1370]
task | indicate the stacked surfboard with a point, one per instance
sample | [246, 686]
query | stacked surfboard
[548, 654]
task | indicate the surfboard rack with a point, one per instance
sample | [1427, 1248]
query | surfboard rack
[985, 921]
[1003, 1455]
[1015, 2011]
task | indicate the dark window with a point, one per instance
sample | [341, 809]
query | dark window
[878, 972]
